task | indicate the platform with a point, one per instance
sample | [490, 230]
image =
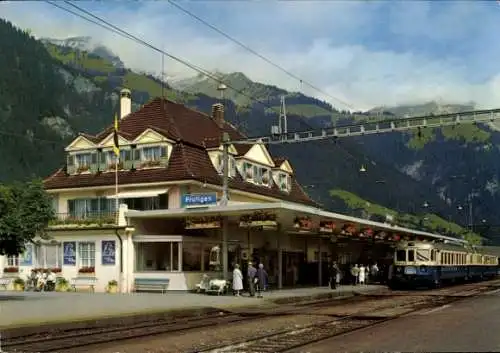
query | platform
[29, 308]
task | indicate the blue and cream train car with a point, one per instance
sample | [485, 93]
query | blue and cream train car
[433, 264]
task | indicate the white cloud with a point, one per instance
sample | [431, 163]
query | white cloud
[325, 43]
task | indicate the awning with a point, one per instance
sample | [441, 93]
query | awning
[138, 194]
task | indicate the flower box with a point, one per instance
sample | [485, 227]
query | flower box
[326, 227]
[83, 168]
[203, 223]
[112, 166]
[303, 223]
[258, 219]
[11, 269]
[148, 164]
[86, 271]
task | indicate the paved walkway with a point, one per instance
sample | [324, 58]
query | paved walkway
[29, 308]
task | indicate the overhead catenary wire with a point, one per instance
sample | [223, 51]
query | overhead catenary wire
[115, 29]
[249, 49]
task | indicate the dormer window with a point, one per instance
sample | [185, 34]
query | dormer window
[266, 177]
[284, 182]
[153, 154]
[220, 167]
[247, 171]
[111, 158]
[256, 174]
[83, 160]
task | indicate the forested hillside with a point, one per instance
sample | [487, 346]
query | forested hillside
[49, 92]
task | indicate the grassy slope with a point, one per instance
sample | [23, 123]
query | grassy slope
[431, 221]
[101, 68]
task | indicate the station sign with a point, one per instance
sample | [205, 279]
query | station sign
[199, 200]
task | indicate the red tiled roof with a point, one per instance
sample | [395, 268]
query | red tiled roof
[278, 161]
[193, 132]
[175, 121]
[187, 162]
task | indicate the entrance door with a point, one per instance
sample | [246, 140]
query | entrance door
[293, 263]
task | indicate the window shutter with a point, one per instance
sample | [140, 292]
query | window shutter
[137, 155]
[71, 160]
[94, 158]
[163, 151]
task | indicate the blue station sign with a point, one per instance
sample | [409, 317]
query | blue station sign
[199, 200]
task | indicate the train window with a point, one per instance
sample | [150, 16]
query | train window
[401, 255]
[423, 255]
[411, 255]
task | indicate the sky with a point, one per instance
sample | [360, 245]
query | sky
[363, 53]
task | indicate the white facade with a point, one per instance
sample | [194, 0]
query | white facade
[98, 248]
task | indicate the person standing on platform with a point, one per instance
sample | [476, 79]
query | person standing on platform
[251, 273]
[334, 275]
[237, 280]
[362, 274]
[261, 277]
[355, 274]
[374, 273]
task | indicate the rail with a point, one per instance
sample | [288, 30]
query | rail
[365, 315]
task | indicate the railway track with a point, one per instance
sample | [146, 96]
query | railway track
[289, 340]
[67, 339]
[64, 340]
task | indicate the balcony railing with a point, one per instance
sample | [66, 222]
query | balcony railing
[109, 167]
[87, 219]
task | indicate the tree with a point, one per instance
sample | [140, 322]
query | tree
[25, 211]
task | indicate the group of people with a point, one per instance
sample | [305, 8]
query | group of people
[41, 280]
[257, 280]
[358, 274]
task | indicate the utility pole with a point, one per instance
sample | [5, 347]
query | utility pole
[225, 191]
[282, 128]
[470, 214]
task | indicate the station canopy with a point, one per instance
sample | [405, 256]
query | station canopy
[291, 218]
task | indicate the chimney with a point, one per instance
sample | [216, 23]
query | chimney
[218, 114]
[125, 103]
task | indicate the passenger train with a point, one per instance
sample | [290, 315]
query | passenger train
[426, 264]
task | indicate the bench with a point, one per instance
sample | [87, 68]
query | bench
[151, 284]
[5, 281]
[88, 282]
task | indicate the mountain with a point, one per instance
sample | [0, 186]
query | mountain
[87, 44]
[67, 86]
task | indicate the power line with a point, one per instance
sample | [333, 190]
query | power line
[109, 26]
[246, 47]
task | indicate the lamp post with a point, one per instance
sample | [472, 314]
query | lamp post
[470, 220]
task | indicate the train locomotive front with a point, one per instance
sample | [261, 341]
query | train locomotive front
[426, 264]
[414, 265]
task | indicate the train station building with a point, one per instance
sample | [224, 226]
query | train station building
[156, 214]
